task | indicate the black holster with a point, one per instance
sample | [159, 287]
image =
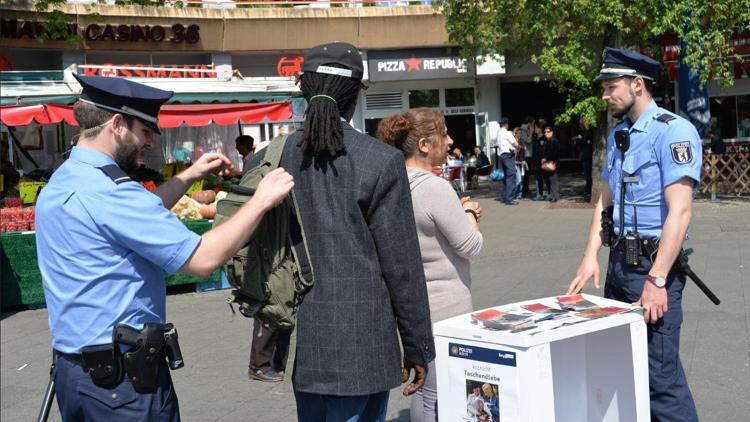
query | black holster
[103, 365]
[608, 226]
[148, 352]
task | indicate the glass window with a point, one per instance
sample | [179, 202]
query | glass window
[424, 98]
[459, 97]
[723, 116]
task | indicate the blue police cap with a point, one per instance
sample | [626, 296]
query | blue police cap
[618, 63]
[123, 96]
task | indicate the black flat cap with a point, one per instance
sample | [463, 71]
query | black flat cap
[618, 63]
[123, 96]
[320, 57]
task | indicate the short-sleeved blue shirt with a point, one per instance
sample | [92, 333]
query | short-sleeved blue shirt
[664, 148]
[103, 249]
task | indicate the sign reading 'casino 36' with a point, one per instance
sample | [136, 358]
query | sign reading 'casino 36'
[424, 63]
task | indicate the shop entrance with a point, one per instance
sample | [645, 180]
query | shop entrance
[462, 129]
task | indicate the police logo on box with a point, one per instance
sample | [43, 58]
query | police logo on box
[454, 350]
[681, 152]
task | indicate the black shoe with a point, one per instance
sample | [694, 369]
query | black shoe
[267, 376]
[511, 203]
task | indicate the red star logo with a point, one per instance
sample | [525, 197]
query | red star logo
[413, 64]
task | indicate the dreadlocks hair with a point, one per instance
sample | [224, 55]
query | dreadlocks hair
[323, 135]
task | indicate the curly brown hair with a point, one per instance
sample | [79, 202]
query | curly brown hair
[405, 129]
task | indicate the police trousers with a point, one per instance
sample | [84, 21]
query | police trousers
[79, 399]
[671, 399]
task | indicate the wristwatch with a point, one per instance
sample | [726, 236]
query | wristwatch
[657, 281]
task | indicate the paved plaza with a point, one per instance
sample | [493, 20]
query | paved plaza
[530, 251]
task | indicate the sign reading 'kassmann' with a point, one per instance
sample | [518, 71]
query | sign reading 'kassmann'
[425, 63]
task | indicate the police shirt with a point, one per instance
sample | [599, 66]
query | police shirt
[102, 247]
[664, 148]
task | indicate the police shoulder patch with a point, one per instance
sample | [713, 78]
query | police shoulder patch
[681, 152]
[665, 118]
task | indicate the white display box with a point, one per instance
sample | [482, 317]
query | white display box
[595, 370]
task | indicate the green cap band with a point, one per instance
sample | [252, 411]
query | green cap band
[323, 96]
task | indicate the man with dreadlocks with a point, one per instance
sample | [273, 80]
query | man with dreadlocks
[355, 206]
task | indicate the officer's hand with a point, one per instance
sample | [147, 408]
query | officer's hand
[273, 188]
[653, 301]
[420, 374]
[212, 163]
[589, 268]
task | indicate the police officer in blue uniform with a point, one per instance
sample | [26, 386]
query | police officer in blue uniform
[651, 190]
[103, 244]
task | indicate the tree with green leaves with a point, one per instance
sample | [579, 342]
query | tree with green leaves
[565, 38]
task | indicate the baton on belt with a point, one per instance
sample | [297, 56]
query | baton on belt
[681, 264]
[49, 395]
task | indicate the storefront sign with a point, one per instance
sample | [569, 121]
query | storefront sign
[14, 28]
[176, 33]
[427, 63]
[146, 71]
[740, 45]
[289, 66]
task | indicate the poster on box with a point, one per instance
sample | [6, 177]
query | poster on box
[482, 382]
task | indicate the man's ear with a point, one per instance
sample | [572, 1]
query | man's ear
[118, 123]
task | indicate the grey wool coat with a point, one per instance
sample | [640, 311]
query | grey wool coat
[369, 282]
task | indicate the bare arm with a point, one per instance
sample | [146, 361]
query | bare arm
[220, 243]
[171, 191]
[679, 204]
[589, 266]
[679, 197]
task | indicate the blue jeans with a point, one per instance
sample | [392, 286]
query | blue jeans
[509, 168]
[670, 395]
[80, 399]
[325, 408]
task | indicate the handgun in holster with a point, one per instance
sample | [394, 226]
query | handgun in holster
[149, 348]
[608, 226]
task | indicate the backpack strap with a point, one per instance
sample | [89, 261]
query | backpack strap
[274, 150]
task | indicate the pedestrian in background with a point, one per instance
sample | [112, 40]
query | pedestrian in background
[448, 227]
[520, 163]
[550, 163]
[540, 144]
[506, 147]
[527, 139]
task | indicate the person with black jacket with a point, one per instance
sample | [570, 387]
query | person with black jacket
[585, 139]
[551, 153]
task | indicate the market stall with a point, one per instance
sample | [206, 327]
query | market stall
[20, 282]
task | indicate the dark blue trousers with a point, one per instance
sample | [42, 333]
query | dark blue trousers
[509, 168]
[671, 399]
[325, 408]
[80, 399]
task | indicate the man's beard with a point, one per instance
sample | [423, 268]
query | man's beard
[127, 153]
[622, 113]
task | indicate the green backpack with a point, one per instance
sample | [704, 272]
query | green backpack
[272, 272]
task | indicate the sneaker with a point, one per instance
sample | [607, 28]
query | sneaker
[538, 198]
[267, 376]
[511, 203]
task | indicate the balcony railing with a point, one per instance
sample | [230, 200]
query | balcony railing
[232, 4]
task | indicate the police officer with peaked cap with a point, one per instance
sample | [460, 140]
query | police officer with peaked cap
[104, 243]
[661, 167]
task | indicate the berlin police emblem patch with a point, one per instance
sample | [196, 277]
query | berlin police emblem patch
[681, 153]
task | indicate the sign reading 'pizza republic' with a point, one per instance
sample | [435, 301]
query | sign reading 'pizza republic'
[425, 63]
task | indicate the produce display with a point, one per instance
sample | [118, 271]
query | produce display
[187, 208]
[14, 218]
